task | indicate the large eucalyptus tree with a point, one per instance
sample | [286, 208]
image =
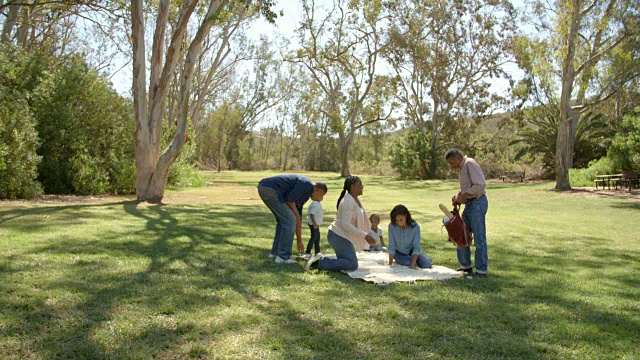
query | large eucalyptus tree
[340, 48]
[445, 56]
[584, 52]
[152, 164]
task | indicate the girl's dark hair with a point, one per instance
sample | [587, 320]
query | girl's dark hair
[348, 182]
[374, 216]
[401, 210]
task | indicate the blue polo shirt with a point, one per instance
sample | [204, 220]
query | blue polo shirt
[290, 187]
[405, 241]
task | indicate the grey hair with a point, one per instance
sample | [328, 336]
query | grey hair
[453, 153]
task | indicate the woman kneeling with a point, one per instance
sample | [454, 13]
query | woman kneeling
[348, 233]
[404, 240]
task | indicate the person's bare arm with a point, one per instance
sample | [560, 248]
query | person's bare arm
[414, 261]
[370, 240]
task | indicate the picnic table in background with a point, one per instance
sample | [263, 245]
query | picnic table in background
[608, 180]
[629, 180]
[518, 174]
[626, 180]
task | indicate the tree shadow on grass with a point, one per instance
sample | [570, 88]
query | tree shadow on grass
[191, 259]
[627, 205]
[179, 273]
[538, 307]
[36, 218]
[535, 308]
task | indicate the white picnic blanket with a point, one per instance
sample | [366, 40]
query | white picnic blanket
[374, 267]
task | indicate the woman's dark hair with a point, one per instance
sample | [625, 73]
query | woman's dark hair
[401, 210]
[348, 182]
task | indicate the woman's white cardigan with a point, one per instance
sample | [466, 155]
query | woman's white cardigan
[351, 222]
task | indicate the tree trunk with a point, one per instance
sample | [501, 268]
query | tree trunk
[565, 141]
[564, 155]
[280, 148]
[220, 147]
[151, 167]
[153, 192]
[286, 156]
[433, 147]
[10, 22]
[344, 155]
[23, 30]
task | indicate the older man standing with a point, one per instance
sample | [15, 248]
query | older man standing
[472, 195]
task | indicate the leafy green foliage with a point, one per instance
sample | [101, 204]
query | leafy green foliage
[182, 172]
[540, 137]
[624, 151]
[409, 154]
[586, 176]
[221, 138]
[86, 130]
[623, 154]
[18, 137]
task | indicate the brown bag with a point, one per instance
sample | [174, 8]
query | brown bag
[458, 231]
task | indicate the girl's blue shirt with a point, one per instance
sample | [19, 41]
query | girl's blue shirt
[405, 241]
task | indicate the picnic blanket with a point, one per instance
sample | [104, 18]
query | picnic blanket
[374, 267]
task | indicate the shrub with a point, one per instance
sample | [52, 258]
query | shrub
[373, 167]
[623, 154]
[624, 151]
[18, 142]
[86, 131]
[409, 155]
[122, 175]
[89, 174]
[18, 136]
[182, 173]
[585, 177]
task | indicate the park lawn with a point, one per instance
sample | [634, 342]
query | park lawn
[106, 278]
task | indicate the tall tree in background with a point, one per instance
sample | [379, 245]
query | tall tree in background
[340, 49]
[218, 61]
[591, 47]
[444, 56]
[152, 166]
[94, 28]
[259, 91]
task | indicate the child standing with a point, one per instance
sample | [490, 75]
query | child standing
[314, 220]
[376, 233]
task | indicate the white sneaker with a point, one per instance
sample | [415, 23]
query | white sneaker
[271, 256]
[312, 260]
[280, 260]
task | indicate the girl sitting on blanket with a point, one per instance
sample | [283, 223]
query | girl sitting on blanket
[404, 240]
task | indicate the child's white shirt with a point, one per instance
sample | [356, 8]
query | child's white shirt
[315, 209]
[376, 235]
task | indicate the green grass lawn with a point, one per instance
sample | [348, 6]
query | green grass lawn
[106, 278]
